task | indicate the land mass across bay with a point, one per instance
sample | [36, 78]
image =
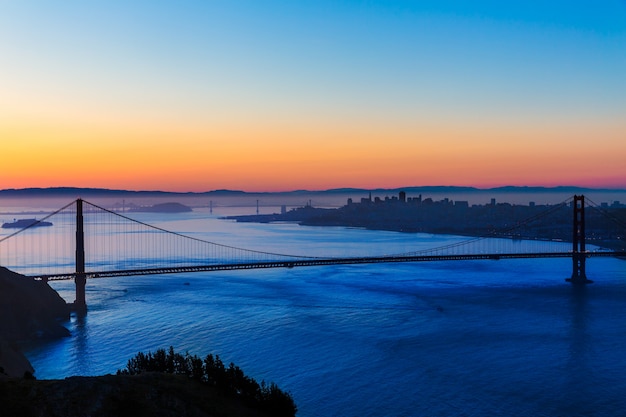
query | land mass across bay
[425, 215]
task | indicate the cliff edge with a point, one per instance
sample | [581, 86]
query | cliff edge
[29, 310]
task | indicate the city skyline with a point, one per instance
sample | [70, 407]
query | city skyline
[278, 96]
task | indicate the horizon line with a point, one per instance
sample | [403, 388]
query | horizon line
[338, 189]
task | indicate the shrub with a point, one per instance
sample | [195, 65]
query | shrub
[211, 371]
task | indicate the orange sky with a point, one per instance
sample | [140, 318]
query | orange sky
[273, 156]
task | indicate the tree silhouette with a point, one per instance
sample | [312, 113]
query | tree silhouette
[211, 371]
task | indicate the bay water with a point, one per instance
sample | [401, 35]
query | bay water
[458, 338]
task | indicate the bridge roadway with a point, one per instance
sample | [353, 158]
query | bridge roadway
[322, 262]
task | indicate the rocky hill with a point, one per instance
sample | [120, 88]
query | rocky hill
[147, 394]
[29, 310]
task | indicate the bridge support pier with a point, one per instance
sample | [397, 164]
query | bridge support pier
[579, 256]
[80, 280]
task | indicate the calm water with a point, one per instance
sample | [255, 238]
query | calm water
[470, 338]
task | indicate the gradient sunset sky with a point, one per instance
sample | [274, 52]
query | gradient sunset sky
[265, 95]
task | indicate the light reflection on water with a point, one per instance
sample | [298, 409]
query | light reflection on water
[452, 338]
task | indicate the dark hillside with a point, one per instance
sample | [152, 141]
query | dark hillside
[144, 395]
[29, 310]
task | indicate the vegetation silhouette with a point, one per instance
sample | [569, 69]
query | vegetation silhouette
[231, 380]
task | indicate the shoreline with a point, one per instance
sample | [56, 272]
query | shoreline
[493, 220]
[29, 311]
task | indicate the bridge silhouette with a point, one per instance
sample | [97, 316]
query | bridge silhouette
[89, 241]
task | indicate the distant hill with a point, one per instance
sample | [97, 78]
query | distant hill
[457, 189]
[103, 192]
[560, 189]
[71, 191]
[74, 192]
[163, 208]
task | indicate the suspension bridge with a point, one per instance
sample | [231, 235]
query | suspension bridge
[89, 241]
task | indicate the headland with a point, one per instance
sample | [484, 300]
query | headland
[29, 310]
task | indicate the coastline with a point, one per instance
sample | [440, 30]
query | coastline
[29, 310]
[417, 215]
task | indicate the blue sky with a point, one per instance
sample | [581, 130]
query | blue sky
[510, 65]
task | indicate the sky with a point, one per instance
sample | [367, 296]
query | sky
[265, 95]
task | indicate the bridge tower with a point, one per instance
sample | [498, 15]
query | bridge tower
[80, 305]
[578, 241]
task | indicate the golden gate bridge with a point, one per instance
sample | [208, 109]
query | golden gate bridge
[89, 241]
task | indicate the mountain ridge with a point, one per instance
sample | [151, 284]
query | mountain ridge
[89, 191]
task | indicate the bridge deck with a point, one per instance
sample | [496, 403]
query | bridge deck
[321, 262]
